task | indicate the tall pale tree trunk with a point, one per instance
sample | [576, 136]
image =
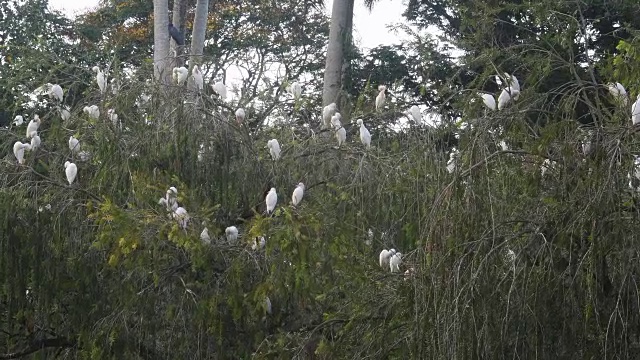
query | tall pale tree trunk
[199, 31]
[161, 60]
[178, 20]
[339, 37]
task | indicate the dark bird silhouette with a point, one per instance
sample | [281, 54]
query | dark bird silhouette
[177, 36]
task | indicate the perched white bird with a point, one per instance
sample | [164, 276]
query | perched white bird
[232, 233]
[172, 198]
[416, 114]
[409, 273]
[182, 217]
[335, 120]
[35, 140]
[115, 86]
[546, 165]
[71, 170]
[296, 90]
[100, 79]
[180, 74]
[93, 111]
[198, 78]
[204, 236]
[395, 262]
[381, 96]
[114, 118]
[512, 82]
[271, 200]
[240, 114]
[635, 111]
[365, 136]
[221, 89]
[18, 120]
[634, 175]
[33, 125]
[74, 144]
[510, 256]
[341, 135]
[506, 96]
[452, 163]
[267, 305]
[18, 151]
[274, 148]
[55, 92]
[298, 193]
[65, 114]
[489, 101]
[258, 243]
[618, 91]
[327, 113]
[384, 257]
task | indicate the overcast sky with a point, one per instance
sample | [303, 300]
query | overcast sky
[370, 27]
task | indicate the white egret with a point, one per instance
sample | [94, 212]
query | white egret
[409, 273]
[335, 120]
[341, 135]
[258, 243]
[395, 262]
[18, 151]
[635, 111]
[365, 136]
[221, 89]
[18, 120]
[100, 79]
[204, 236]
[180, 75]
[369, 239]
[296, 90]
[327, 113]
[452, 163]
[271, 200]
[384, 257]
[232, 233]
[512, 82]
[172, 198]
[33, 125]
[506, 96]
[416, 114]
[618, 91]
[274, 148]
[182, 217]
[71, 170]
[198, 78]
[381, 96]
[65, 114]
[489, 101]
[634, 175]
[240, 114]
[115, 86]
[267, 305]
[298, 193]
[546, 165]
[93, 111]
[74, 144]
[55, 92]
[114, 118]
[35, 140]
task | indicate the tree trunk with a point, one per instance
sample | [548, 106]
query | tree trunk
[178, 20]
[161, 41]
[339, 35]
[199, 30]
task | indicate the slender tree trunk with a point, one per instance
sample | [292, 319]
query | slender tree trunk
[199, 30]
[178, 20]
[161, 41]
[341, 18]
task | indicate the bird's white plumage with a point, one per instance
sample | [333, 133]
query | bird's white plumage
[341, 135]
[297, 195]
[74, 144]
[221, 89]
[327, 113]
[18, 151]
[240, 115]
[271, 200]
[198, 78]
[365, 136]
[100, 79]
[33, 126]
[182, 217]
[395, 262]
[416, 114]
[65, 114]
[18, 120]
[114, 118]
[204, 236]
[635, 112]
[232, 233]
[93, 111]
[618, 91]
[296, 90]
[258, 243]
[506, 97]
[180, 74]
[489, 101]
[35, 140]
[381, 97]
[384, 257]
[55, 92]
[335, 120]
[70, 170]
[274, 148]
[452, 163]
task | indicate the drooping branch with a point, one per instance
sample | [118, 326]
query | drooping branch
[38, 345]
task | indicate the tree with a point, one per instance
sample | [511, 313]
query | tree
[339, 41]
[161, 62]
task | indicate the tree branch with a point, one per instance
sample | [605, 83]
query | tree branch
[37, 345]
